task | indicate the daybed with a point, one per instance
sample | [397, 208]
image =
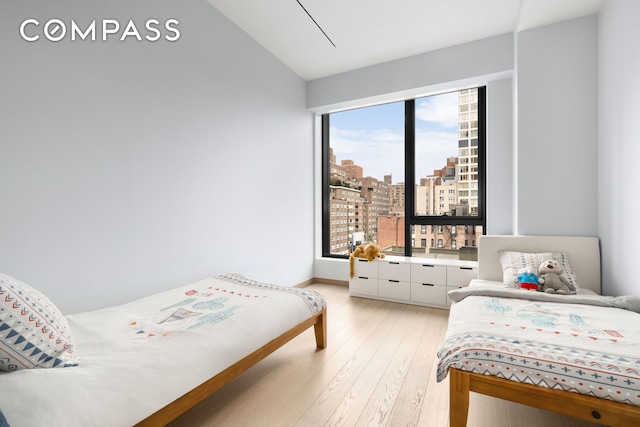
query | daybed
[146, 362]
[577, 355]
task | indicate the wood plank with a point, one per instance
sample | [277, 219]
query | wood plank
[411, 398]
[381, 369]
[360, 368]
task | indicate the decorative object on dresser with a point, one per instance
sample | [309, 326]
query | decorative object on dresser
[370, 251]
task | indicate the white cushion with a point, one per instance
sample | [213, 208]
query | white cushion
[33, 331]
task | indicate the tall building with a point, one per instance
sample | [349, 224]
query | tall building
[354, 172]
[344, 206]
[375, 194]
[437, 193]
[468, 149]
[396, 198]
[337, 173]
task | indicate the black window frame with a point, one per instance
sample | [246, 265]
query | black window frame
[411, 219]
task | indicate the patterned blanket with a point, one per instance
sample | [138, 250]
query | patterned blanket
[587, 349]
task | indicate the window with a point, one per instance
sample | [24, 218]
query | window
[435, 143]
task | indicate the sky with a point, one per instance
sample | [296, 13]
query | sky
[373, 137]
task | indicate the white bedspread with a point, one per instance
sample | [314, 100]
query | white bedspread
[138, 357]
[589, 349]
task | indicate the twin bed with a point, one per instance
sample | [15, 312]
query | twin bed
[146, 362]
[577, 355]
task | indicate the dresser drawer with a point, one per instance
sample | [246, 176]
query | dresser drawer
[394, 289]
[363, 286]
[460, 276]
[394, 270]
[429, 293]
[429, 274]
[364, 267]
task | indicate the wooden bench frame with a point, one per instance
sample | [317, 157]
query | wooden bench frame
[181, 405]
[589, 408]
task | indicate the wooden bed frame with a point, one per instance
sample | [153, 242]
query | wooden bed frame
[589, 408]
[584, 254]
[204, 390]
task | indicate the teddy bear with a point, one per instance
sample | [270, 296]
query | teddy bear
[551, 279]
[527, 279]
[368, 251]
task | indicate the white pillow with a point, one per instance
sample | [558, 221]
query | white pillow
[513, 262]
[33, 332]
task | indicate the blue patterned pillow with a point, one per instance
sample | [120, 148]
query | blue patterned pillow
[3, 420]
[33, 332]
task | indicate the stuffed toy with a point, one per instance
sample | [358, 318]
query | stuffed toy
[368, 251]
[552, 280]
[527, 279]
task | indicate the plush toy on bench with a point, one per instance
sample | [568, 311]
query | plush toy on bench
[527, 279]
[552, 280]
[368, 251]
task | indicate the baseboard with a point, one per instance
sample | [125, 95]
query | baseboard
[343, 283]
[304, 284]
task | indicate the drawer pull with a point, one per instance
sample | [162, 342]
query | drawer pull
[466, 268]
[427, 284]
[394, 263]
[363, 260]
[394, 281]
[428, 265]
[362, 277]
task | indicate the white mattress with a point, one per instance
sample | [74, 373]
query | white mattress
[138, 357]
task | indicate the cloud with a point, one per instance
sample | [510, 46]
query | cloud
[439, 109]
[432, 150]
[380, 152]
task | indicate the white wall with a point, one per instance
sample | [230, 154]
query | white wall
[619, 145]
[557, 128]
[131, 167]
[500, 157]
[445, 69]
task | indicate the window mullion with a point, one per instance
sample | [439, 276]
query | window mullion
[409, 170]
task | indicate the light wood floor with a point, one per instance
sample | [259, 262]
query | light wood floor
[379, 368]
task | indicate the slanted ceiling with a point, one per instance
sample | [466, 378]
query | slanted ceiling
[368, 32]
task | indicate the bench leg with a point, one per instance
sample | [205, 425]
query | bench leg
[458, 398]
[320, 329]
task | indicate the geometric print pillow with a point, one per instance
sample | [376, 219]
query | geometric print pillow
[33, 331]
[513, 262]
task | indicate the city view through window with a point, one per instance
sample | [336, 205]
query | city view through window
[367, 192]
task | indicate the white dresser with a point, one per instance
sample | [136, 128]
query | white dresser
[420, 281]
